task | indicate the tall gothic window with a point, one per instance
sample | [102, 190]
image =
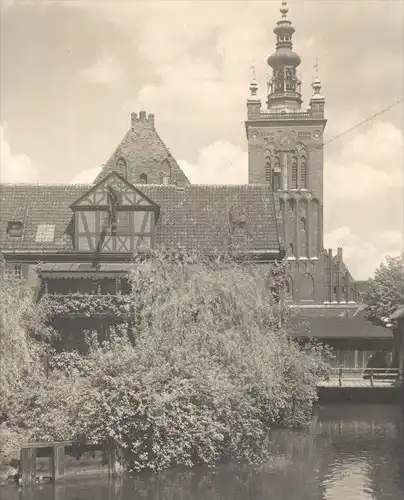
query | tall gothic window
[303, 172]
[268, 167]
[276, 181]
[294, 172]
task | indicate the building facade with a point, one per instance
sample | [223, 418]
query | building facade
[85, 236]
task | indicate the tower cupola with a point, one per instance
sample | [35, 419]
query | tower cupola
[284, 86]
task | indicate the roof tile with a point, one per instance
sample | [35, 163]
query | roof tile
[194, 217]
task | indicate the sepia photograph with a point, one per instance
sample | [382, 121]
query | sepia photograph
[202, 249]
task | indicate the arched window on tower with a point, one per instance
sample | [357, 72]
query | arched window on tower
[291, 250]
[307, 287]
[288, 290]
[276, 174]
[268, 167]
[303, 223]
[143, 178]
[303, 172]
[294, 172]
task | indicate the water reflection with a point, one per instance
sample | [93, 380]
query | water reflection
[351, 452]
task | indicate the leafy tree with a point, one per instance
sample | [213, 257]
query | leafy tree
[22, 327]
[23, 336]
[205, 371]
[386, 289]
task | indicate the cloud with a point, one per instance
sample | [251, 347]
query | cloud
[368, 165]
[6, 4]
[364, 255]
[86, 176]
[15, 168]
[106, 70]
[219, 163]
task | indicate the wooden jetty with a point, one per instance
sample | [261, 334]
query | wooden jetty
[57, 459]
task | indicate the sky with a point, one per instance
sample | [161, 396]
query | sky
[72, 71]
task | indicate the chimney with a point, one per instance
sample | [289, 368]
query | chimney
[142, 116]
[134, 118]
[339, 254]
[150, 118]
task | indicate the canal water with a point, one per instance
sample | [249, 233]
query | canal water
[351, 452]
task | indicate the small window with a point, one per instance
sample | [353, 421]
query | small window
[143, 178]
[45, 233]
[14, 229]
[13, 271]
[166, 179]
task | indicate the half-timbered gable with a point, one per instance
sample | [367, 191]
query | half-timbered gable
[114, 216]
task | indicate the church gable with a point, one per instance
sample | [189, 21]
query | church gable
[142, 157]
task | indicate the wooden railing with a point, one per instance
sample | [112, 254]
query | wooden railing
[375, 376]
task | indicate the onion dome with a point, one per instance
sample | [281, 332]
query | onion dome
[284, 56]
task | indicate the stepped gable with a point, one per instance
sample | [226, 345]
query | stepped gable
[193, 217]
[143, 153]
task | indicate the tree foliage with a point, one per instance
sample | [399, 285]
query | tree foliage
[202, 375]
[22, 324]
[386, 288]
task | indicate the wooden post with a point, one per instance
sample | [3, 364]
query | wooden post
[111, 461]
[371, 377]
[57, 462]
[28, 465]
[115, 466]
[340, 376]
[118, 286]
[400, 350]
[59, 492]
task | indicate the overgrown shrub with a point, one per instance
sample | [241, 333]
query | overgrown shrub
[205, 372]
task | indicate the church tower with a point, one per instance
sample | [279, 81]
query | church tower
[285, 148]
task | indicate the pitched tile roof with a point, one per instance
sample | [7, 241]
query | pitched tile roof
[201, 216]
[195, 216]
[37, 204]
[144, 153]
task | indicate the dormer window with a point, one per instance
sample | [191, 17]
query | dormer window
[14, 229]
[143, 178]
[166, 179]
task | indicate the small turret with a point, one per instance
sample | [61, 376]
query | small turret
[253, 102]
[317, 101]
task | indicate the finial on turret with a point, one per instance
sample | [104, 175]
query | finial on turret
[284, 10]
[316, 85]
[253, 84]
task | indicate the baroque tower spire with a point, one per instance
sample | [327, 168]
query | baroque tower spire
[284, 86]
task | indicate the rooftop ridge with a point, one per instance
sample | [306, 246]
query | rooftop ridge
[43, 184]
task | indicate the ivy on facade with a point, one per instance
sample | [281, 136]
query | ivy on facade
[82, 304]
